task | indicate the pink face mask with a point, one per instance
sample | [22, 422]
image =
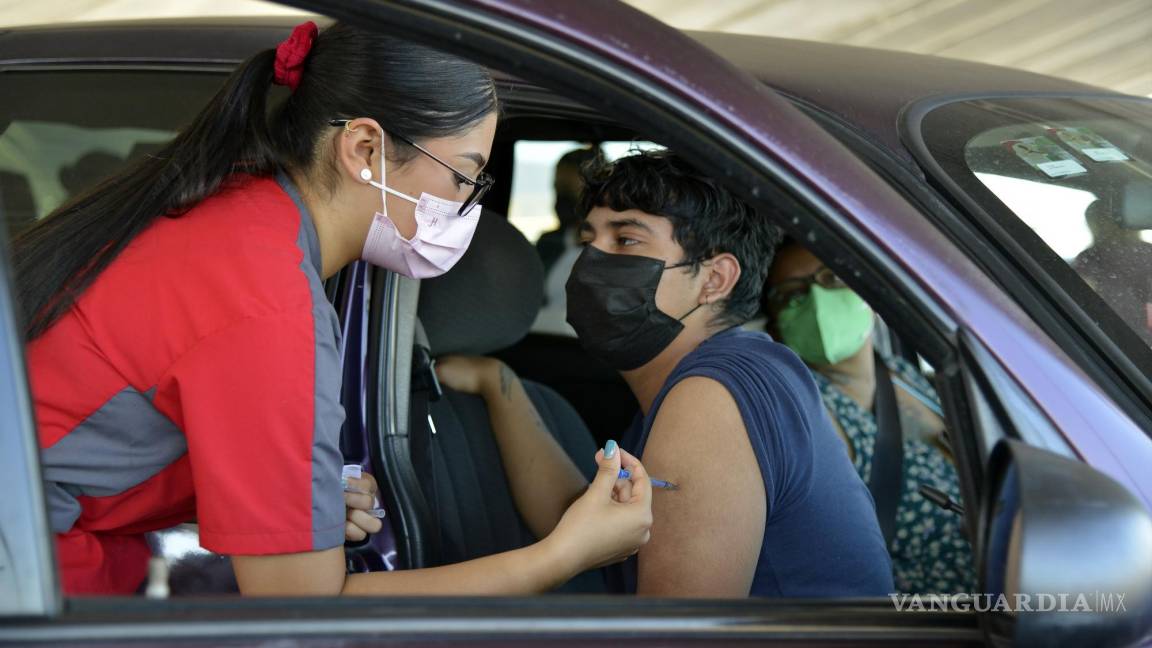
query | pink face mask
[442, 235]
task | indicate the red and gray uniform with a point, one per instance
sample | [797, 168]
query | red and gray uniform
[197, 378]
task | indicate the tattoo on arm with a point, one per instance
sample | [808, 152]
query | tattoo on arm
[507, 379]
[540, 424]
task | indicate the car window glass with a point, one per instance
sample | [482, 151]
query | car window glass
[1077, 175]
[42, 164]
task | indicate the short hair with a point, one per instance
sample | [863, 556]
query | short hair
[707, 219]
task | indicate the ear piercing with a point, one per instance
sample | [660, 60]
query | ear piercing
[365, 174]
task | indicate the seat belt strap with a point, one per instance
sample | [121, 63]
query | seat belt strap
[886, 480]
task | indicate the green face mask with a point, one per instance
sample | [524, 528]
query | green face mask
[826, 325]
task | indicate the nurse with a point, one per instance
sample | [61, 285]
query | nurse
[183, 356]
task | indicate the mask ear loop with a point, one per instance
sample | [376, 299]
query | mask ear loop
[383, 178]
[385, 190]
[685, 315]
[681, 265]
[383, 184]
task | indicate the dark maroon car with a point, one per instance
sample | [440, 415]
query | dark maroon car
[996, 220]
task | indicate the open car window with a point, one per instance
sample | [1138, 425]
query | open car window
[1071, 181]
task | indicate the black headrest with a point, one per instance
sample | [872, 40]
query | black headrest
[490, 298]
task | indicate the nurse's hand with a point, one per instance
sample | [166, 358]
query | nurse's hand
[610, 521]
[360, 497]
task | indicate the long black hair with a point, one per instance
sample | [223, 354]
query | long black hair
[411, 90]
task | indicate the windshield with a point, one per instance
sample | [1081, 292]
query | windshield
[1070, 180]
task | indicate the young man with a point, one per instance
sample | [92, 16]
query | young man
[768, 501]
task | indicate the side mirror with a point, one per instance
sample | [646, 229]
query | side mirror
[1069, 549]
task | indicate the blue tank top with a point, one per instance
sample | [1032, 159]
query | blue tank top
[821, 538]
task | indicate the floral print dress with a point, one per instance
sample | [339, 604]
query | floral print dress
[929, 551]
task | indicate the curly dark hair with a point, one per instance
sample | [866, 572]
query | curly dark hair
[707, 219]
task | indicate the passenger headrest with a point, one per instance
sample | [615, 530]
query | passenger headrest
[490, 298]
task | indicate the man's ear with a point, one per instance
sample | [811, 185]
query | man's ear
[722, 272]
[358, 147]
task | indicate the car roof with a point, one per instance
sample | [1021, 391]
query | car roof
[870, 87]
[864, 87]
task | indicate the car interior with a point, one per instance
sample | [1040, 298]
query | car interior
[448, 499]
[486, 306]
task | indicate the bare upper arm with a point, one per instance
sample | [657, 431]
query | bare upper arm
[706, 537]
[311, 573]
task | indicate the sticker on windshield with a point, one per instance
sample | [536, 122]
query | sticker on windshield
[1047, 156]
[1089, 144]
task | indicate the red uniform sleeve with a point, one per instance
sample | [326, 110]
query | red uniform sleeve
[259, 403]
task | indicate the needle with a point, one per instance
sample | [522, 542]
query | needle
[658, 483]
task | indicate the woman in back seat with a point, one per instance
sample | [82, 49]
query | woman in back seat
[830, 327]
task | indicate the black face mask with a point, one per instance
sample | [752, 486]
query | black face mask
[612, 306]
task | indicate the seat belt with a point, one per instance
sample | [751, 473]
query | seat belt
[886, 480]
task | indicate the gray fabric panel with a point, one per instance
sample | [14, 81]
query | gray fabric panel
[306, 239]
[63, 508]
[488, 301]
[123, 443]
[328, 414]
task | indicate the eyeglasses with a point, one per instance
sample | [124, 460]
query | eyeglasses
[784, 292]
[480, 185]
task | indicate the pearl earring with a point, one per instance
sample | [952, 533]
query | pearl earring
[365, 174]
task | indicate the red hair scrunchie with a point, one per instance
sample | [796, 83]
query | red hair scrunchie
[291, 53]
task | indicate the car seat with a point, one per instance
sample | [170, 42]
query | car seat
[486, 303]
